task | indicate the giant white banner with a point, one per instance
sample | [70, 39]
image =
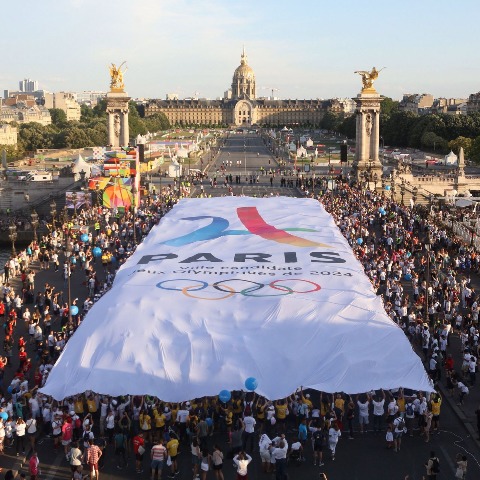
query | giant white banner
[229, 288]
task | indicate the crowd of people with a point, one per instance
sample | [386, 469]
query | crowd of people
[428, 293]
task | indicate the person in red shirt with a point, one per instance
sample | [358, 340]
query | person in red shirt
[93, 456]
[22, 356]
[67, 434]
[21, 343]
[37, 378]
[139, 449]
[33, 466]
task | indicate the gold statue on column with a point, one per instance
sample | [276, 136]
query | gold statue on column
[368, 78]
[116, 76]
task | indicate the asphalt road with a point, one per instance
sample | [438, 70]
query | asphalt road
[364, 458]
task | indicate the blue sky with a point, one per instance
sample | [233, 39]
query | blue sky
[305, 49]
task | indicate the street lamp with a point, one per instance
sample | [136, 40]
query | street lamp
[375, 180]
[427, 246]
[414, 195]
[83, 173]
[34, 216]
[402, 190]
[53, 212]
[134, 197]
[12, 228]
[74, 200]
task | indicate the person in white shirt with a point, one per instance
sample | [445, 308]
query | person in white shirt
[363, 412]
[378, 412]
[242, 461]
[334, 434]
[248, 432]
[398, 430]
[279, 456]
[264, 447]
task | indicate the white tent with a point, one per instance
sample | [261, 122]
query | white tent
[234, 287]
[450, 159]
[78, 165]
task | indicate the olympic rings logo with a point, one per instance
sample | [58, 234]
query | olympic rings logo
[277, 288]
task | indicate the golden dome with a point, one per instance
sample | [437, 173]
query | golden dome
[243, 70]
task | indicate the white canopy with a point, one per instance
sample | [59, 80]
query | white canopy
[78, 165]
[234, 287]
[450, 159]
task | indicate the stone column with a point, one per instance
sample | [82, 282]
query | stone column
[368, 134]
[117, 104]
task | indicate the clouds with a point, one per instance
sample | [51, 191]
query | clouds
[309, 51]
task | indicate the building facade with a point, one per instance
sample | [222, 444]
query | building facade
[23, 108]
[8, 135]
[64, 101]
[241, 106]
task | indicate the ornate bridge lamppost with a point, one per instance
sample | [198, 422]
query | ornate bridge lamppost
[53, 212]
[402, 190]
[34, 216]
[375, 180]
[414, 196]
[12, 235]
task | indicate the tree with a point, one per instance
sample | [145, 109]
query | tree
[475, 150]
[59, 117]
[432, 140]
[388, 106]
[331, 121]
[459, 142]
[348, 126]
[33, 135]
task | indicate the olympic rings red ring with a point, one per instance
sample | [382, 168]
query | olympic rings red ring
[316, 289]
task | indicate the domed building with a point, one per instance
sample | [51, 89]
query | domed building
[243, 83]
[240, 106]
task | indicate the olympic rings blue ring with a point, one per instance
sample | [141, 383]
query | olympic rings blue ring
[202, 287]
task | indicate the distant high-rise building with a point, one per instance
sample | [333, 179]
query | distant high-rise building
[89, 97]
[28, 86]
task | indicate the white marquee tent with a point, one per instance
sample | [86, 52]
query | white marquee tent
[233, 287]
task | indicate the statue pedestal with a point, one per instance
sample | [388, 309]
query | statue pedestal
[368, 135]
[117, 111]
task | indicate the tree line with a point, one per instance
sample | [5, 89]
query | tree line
[90, 131]
[435, 132]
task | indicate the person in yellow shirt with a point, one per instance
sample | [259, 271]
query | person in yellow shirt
[435, 405]
[92, 404]
[172, 449]
[146, 425]
[159, 425]
[260, 407]
[78, 405]
[281, 409]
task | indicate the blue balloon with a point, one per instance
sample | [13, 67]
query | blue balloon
[409, 254]
[224, 396]
[84, 238]
[4, 416]
[73, 260]
[359, 241]
[251, 383]
[387, 187]
[408, 276]
[209, 421]
[97, 252]
[74, 310]
[10, 389]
